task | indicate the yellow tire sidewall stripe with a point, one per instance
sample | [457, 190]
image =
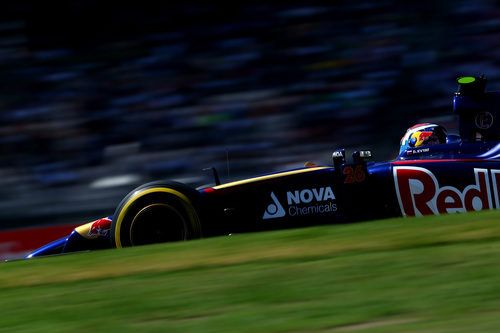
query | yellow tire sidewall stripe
[186, 203]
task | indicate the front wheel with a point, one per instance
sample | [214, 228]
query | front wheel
[155, 213]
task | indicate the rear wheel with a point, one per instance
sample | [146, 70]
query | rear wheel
[156, 213]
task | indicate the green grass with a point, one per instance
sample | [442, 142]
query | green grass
[436, 274]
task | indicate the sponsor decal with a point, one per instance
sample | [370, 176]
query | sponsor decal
[100, 227]
[484, 120]
[354, 175]
[336, 154]
[419, 192]
[274, 210]
[417, 151]
[303, 202]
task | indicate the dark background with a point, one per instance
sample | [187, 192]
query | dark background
[96, 99]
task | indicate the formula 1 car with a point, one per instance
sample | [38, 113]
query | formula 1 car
[460, 175]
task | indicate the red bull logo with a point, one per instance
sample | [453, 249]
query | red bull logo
[100, 227]
[419, 193]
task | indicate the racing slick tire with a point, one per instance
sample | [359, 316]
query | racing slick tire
[155, 213]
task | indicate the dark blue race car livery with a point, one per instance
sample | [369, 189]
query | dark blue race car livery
[458, 176]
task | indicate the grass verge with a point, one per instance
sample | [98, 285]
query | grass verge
[432, 274]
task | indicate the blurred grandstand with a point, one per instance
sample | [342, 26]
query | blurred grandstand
[97, 100]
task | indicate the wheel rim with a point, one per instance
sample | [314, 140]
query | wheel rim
[157, 223]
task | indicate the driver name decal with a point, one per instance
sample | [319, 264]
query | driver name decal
[419, 192]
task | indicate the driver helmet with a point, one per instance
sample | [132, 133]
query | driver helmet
[423, 135]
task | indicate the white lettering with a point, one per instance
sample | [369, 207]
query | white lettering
[328, 194]
[306, 196]
[300, 203]
[309, 210]
[318, 195]
[293, 197]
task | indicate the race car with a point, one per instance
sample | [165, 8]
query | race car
[435, 173]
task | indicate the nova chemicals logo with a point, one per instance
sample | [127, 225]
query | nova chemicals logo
[314, 201]
[274, 210]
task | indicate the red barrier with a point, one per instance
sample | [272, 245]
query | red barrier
[15, 244]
